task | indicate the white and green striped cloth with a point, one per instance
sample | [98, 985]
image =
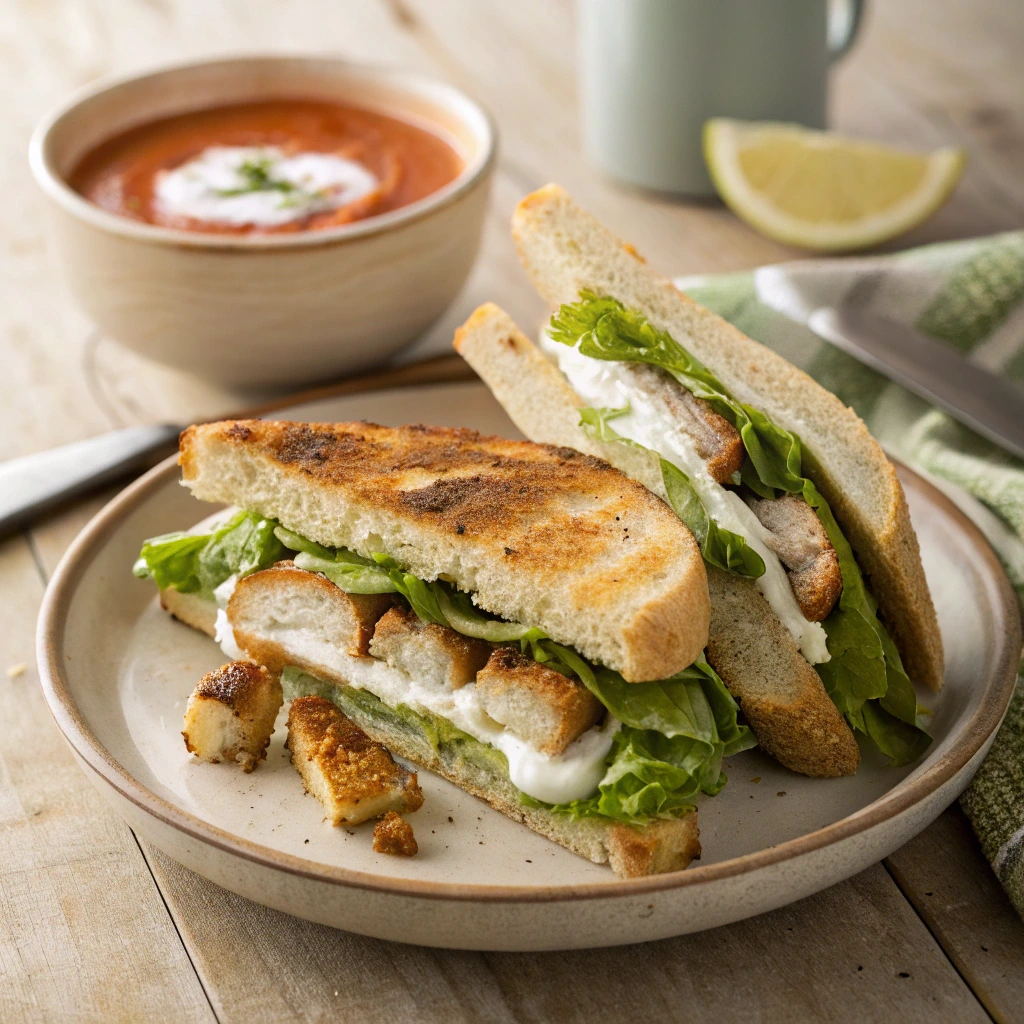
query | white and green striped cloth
[970, 295]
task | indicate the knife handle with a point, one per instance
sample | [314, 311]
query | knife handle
[37, 483]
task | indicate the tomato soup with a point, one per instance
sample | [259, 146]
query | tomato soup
[268, 166]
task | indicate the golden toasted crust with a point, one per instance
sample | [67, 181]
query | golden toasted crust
[542, 535]
[353, 777]
[416, 647]
[230, 715]
[565, 250]
[538, 704]
[394, 835]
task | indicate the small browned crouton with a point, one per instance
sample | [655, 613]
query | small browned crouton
[230, 715]
[285, 599]
[426, 651]
[393, 834]
[351, 775]
[539, 705]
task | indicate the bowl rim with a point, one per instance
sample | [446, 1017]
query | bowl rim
[476, 169]
[976, 732]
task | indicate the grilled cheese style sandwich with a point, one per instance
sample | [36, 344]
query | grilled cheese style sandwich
[523, 620]
[818, 597]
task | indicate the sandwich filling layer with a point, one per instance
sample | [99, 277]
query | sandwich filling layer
[654, 746]
[598, 345]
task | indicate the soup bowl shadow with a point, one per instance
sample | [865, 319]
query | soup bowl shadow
[267, 310]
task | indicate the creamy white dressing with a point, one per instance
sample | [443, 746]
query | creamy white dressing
[316, 182]
[650, 423]
[572, 775]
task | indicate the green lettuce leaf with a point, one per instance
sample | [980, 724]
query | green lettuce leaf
[864, 666]
[199, 563]
[670, 748]
[718, 545]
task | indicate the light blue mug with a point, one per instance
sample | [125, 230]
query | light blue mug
[653, 71]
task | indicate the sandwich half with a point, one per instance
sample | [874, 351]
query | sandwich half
[524, 620]
[820, 613]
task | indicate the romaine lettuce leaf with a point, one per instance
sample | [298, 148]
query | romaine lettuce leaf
[718, 545]
[670, 748]
[199, 563]
[864, 664]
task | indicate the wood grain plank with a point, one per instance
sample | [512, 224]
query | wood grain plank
[949, 883]
[84, 933]
[856, 952]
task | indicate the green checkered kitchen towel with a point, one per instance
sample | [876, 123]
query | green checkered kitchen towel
[969, 294]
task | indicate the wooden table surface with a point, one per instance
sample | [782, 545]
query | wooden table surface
[97, 926]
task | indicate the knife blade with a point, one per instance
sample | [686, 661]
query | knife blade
[933, 370]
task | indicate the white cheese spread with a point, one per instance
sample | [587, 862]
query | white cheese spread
[571, 775]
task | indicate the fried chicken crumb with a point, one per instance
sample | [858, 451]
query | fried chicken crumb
[393, 835]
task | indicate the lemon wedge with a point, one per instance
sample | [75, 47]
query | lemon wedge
[820, 191]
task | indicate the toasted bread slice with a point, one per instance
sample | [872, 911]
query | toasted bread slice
[426, 651]
[564, 250]
[782, 696]
[536, 703]
[353, 776]
[231, 713]
[540, 535]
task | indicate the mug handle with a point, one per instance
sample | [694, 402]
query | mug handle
[844, 22]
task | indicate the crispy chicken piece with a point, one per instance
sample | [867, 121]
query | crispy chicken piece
[285, 598]
[351, 775]
[800, 541]
[539, 705]
[426, 651]
[717, 441]
[393, 834]
[230, 715]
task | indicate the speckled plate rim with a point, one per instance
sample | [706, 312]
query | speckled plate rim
[60, 593]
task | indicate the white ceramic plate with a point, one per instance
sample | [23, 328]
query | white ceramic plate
[117, 672]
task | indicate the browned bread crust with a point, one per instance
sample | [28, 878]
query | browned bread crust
[564, 250]
[781, 696]
[541, 535]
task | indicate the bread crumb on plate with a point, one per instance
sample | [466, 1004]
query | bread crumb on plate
[393, 834]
